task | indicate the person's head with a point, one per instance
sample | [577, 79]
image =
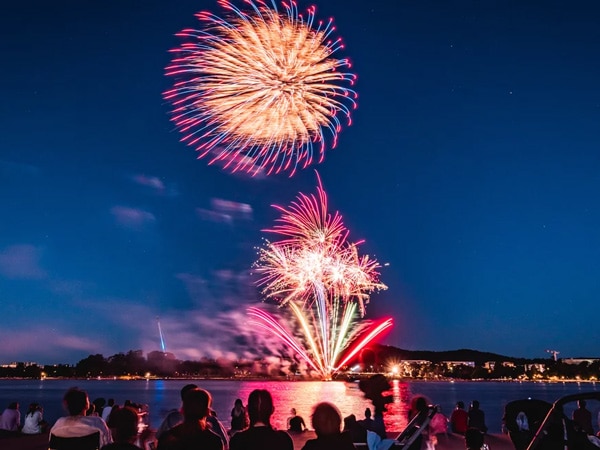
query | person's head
[326, 419]
[260, 406]
[473, 439]
[76, 401]
[293, 411]
[33, 407]
[368, 413]
[111, 402]
[13, 405]
[460, 405]
[196, 406]
[419, 404]
[475, 404]
[349, 422]
[187, 388]
[238, 403]
[581, 403]
[123, 424]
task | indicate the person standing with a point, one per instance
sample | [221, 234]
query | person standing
[583, 417]
[459, 419]
[476, 417]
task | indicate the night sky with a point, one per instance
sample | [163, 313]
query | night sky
[472, 168]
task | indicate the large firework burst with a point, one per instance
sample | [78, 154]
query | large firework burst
[260, 90]
[320, 276]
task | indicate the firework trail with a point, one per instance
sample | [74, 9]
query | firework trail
[260, 91]
[162, 340]
[320, 276]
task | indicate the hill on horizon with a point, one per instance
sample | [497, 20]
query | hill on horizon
[479, 357]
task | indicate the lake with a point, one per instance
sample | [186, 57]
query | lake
[162, 395]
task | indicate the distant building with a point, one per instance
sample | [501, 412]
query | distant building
[541, 368]
[577, 361]
[459, 363]
[13, 365]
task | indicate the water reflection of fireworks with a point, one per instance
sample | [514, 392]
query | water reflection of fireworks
[320, 277]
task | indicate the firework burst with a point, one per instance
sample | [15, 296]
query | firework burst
[320, 276]
[261, 91]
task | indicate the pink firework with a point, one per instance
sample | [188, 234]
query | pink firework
[321, 277]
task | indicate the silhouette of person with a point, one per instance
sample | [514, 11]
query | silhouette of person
[583, 417]
[124, 429]
[239, 416]
[295, 423]
[175, 417]
[193, 432]
[367, 422]
[459, 419]
[474, 439]
[476, 417]
[418, 407]
[327, 420]
[260, 434]
[355, 429]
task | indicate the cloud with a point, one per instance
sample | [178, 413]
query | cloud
[132, 218]
[215, 325]
[214, 216]
[45, 342]
[155, 184]
[21, 262]
[225, 211]
[234, 209]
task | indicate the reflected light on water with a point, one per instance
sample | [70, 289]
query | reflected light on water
[349, 399]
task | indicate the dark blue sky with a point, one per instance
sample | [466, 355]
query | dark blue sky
[472, 167]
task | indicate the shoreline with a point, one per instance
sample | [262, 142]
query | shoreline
[292, 379]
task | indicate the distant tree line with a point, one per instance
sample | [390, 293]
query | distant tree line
[374, 360]
[130, 364]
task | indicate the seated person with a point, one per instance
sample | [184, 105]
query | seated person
[194, 432]
[10, 419]
[174, 417]
[357, 432]
[34, 420]
[295, 423]
[77, 424]
[124, 422]
[327, 420]
[261, 434]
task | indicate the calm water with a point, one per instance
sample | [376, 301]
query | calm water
[164, 395]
